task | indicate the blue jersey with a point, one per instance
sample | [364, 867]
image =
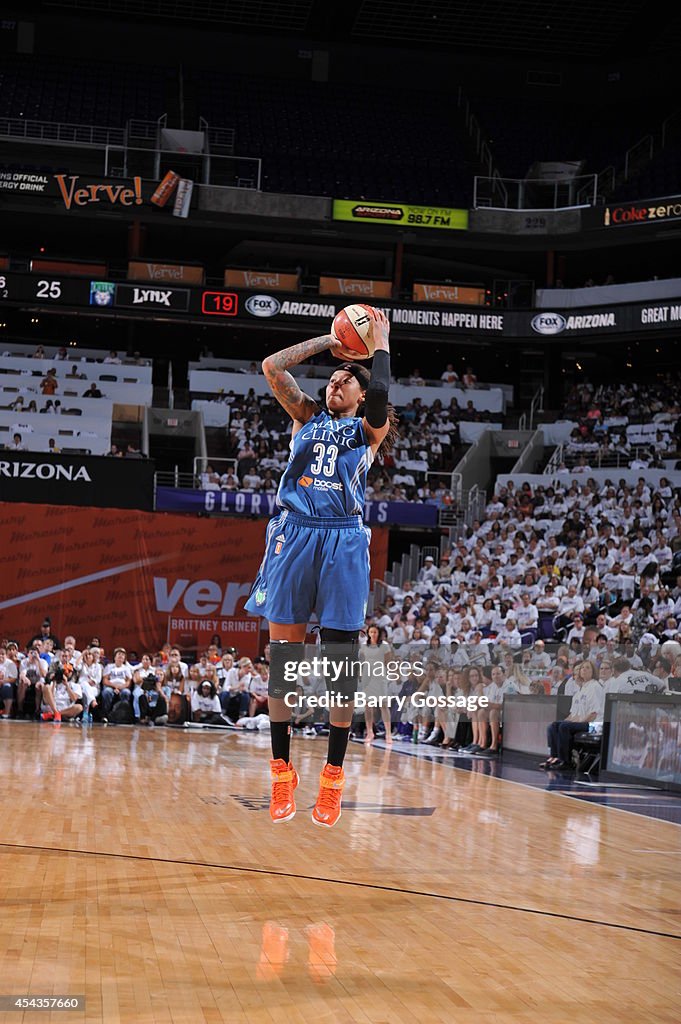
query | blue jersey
[327, 468]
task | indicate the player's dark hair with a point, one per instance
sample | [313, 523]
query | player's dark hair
[363, 377]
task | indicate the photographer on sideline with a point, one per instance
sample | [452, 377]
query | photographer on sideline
[33, 670]
[152, 701]
[61, 698]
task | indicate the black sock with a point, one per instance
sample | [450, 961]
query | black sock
[281, 740]
[338, 744]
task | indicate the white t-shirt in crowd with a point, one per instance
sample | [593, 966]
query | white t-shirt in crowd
[9, 672]
[588, 700]
[526, 617]
[205, 704]
[635, 681]
[258, 687]
[61, 695]
[228, 677]
[119, 674]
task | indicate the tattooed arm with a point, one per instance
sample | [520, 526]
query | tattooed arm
[283, 384]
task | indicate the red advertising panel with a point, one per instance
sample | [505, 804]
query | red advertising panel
[195, 635]
[125, 575]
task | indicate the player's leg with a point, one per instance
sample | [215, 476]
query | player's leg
[342, 572]
[287, 649]
[284, 593]
[341, 649]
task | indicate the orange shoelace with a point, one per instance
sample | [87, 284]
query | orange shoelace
[329, 798]
[282, 786]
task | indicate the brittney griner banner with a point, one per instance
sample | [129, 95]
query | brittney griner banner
[127, 576]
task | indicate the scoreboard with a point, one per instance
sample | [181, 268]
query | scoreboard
[106, 297]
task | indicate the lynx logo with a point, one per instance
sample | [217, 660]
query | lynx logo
[549, 323]
[260, 597]
[161, 298]
[152, 298]
[263, 305]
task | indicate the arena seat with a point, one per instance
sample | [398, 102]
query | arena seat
[79, 91]
[586, 747]
[313, 121]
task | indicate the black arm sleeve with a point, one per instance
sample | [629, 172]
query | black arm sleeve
[376, 401]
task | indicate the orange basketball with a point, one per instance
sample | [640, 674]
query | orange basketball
[352, 327]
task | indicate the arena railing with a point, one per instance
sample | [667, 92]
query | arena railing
[201, 464]
[65, 134]
[605, 459]
[534, 193]
[556, 460]
[526, 421]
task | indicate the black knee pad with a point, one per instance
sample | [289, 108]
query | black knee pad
[341, 647]
[285, 656]
[339, 636]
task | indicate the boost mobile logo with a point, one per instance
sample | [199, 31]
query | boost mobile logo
[549, 323]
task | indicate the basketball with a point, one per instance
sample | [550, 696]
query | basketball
[352, 327]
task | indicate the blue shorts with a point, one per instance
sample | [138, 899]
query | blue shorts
[314, 565]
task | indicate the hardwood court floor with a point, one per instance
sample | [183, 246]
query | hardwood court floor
[140, 868]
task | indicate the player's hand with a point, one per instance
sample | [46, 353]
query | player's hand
[337, 350]
[380, 329]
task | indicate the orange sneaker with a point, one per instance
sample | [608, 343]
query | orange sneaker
[284, 781]
[273, 951]
[327, 810]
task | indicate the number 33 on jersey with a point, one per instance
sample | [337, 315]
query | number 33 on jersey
[327, 468]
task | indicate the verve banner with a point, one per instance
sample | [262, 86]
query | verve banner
[121, 575]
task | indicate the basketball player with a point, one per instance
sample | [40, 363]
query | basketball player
[317, 548]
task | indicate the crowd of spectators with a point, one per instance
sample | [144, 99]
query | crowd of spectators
[47, 680]
[549, 561]
[552, 578]
[628, 424]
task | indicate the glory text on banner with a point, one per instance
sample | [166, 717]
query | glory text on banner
[403, 214]
[384, 513]
[121, 575]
